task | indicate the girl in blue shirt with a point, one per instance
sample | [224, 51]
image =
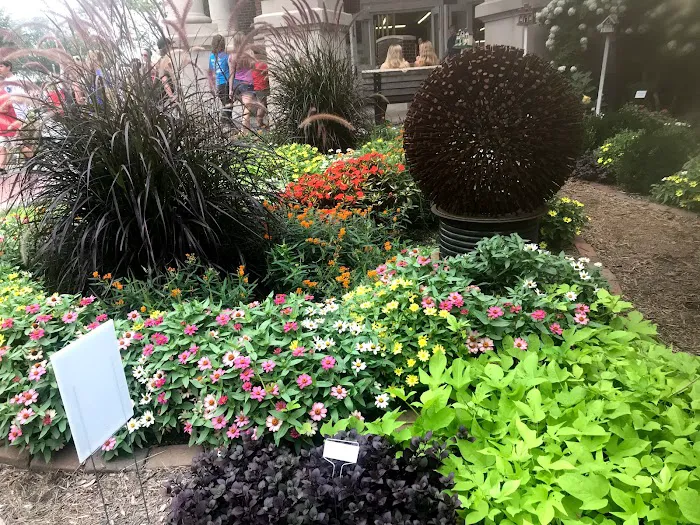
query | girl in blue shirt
[219, 74]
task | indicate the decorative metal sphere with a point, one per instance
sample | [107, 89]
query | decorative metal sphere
[493, 132]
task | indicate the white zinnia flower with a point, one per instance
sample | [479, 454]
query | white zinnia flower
[132, 425]
[382, 401]
[584, 276]
[571, 296]
[358, 365]
[147, 419]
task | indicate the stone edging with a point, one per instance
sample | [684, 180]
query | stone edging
[66, 460]
[586, 250]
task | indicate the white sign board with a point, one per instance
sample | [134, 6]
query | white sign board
[345, 451]
[91, 380]
[640, 94]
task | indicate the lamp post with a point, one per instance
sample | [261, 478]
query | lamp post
[607, 28]
[526, 19]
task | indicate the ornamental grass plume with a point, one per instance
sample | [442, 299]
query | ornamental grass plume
[493, 132]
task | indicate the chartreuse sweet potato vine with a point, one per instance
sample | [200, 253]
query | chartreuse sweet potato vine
[601, 428]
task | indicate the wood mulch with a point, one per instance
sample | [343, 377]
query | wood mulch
[654, 251]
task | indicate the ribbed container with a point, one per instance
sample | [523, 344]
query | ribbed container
[460, 234]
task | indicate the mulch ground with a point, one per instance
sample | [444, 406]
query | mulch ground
[57, 498]
[654, 251]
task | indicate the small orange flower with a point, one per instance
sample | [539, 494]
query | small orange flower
[331, 263]
[245, 279]
[387, 246]
[267, 237]
[143, 309]
[299, 291]
[371, 273]
[175, 292]
[241, 270]
[341, 233]
[96, 275]
[120, 302]
[118, 285]
[171, 269]
[107, 276]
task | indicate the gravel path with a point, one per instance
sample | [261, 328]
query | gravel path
[654, 251]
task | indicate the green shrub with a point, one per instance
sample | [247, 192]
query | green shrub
[641, 159]
[682, 189]
[563, 222]
[300, 159]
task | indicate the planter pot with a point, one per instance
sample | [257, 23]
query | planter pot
[460, 233]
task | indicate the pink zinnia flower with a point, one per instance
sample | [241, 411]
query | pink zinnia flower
[15, 432]
[268, 366]
[223, 319]
[69, 317]
[308, 297]
[241, 420]
[303, 381]
[298, 351]
[381, 269]
[138, 336]
[183, 357]
[241, 362]
[318, 411]
[402, 264]
[485, 344]
[457, 299]
[272, 423]
[247, 386]
[555, 328]
[101, 318]
[148, 350]
[294, 434]
[290, 326]
[133, 315]
[85, 301]
[109, 444]
[92, 326]
[29, 397]
[280, 298]
[582, 308]
[8, 323]
[516, 309]
[581, 318]
[43, 318]
[36, 372]
[280, 405]
[277, 351]
[32, 308]
[258, 393]
[160, 339]
[188, 428]
[538, 315]
[339, 392]
[238, 327]
[273, 390]
[219, 422]
[233, 432]
[191, 329]
[328, 362]
[216, 375]
[47, 420]
[446, 305]
[428, 302]
[247, 374]
[422, 260]
[161, 398]
[520, 343]
[464, 311]
[494, 312]
[204, 364]
[24, 416]
[159, 383]
[287, 310]
[222, 400]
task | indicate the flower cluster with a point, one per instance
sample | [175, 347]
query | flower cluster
[682, 189]
[300, 159]
[563, 222]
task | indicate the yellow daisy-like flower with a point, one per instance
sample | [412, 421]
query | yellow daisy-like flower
[422, 341]
[565, 199]
[679, 193]
[366, 305]
[423, 355]
[578, 204]
[444, 314]
[430, 311]
[578, 231]
[155, 314]
[293, 344]
[410, 362]
[398, 347]
[567, 219]
[552, 213]
[398, 371]
[137, 326]
[414, 307]
[411, 380]
[438, 349]
[12, 276]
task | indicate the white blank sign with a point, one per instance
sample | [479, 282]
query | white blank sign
[640, 94]
[346, 451]
[91, 380]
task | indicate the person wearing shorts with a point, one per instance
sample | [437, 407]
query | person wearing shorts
[242, 62]
[261, 85]
[219, 74]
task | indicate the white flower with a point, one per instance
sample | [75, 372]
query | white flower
[539, 292]
[562, 68]
[142, 360]
[145, 399]
[355, 328]
[147, 419]
[133, 315]
[138, 372]
[584, 260]
[572, 11]
[209, 403]
[319, 344]
[582, 27]
[309, 324]
[229, 357]
[358, 365]
[244, 338]
[573, 69]
[237, 314]
[273, 424]
[532, 247]
[530, 284]
[341, 326]
[544, 252]
[571, 296]
[310, 310]
[558, 11]
[133, 425]
[54, 300]
[214, 334]
[320, 320]
[124, 343]
[382, 401]
[584, 275]
[577, 266]
[598, 264]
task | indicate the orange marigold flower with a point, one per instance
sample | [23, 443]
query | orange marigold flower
[371, 273]
[341, 233]
[107, 276]
[387, 246]
[143, 309]
[299, 291]
[118, 285]
[120, 302]
[175, 292]
[241, 270]
[96, 275]
[331, 263]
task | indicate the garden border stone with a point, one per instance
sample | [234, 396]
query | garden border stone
[172, 456]
[586, 250]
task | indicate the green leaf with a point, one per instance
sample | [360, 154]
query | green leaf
[591, 490]
[688, 500]
[437, 365]
[528, 435]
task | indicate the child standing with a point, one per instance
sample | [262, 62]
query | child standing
[261, 86]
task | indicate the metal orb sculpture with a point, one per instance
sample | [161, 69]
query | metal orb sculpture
[493, 133]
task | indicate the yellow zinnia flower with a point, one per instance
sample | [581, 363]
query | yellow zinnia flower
[398, 371]
[423, 355]
[410, 362]
[398, 347]
[414, 307]
[411, 380]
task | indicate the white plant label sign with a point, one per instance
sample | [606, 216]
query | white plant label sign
[93, 387]
[339, 450]
[640, 94]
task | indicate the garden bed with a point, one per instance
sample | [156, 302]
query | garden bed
[654, 251]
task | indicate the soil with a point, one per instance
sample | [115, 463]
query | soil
[654, 251]
[59, 498]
